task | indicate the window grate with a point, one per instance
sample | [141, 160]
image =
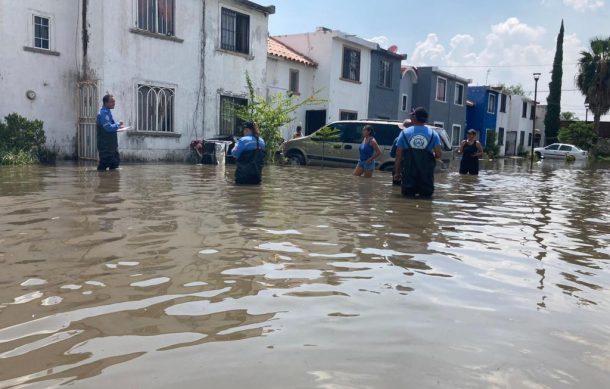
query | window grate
[235, 31]
[41, 32]
[229, 123]
[351, 64]
[156, 16]
[155, 109]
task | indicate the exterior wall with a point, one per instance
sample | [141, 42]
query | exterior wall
[278, 80]
[540, 127]
[503, 121]
[409, 78]
[448, 112]
[119, 57]
[51, 77]
[382, 100]
[477, 116]
[519, 123]
[326, 48]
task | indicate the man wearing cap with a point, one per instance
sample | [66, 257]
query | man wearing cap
[417, 148]
[249, 153]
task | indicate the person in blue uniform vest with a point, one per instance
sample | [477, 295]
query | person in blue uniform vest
[249, 153]
[417, 149]
[106, 131]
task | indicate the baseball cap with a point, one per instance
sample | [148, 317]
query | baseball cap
[249, 125]
[420, 114]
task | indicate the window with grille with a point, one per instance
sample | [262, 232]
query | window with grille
[524, 110]
[501, 136]
[229, 122]
[156, 16]
[293, 86]
[155, 108]
[502, 102]
[403, 105]
[385, 74]
[351, 64]
[456, 135]
[41, 32]
[441, 89]
[235, 31]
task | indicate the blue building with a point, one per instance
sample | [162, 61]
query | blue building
[482, 113]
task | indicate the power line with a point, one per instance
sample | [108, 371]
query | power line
[504, 66]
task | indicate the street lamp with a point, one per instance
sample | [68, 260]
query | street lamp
[586, 112]
[536, 78]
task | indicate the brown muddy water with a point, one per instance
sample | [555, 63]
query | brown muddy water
[169, 275]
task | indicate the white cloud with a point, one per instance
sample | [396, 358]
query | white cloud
[584, 5]
[508, 52]
[382, 41]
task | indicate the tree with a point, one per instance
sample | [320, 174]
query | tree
[593, 78]
[551, 119]
[514, 90]
[579, 134]
[568, 117]
[491, 145]
[270, 115]
[326, 134]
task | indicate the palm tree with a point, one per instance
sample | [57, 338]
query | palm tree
[593, 78]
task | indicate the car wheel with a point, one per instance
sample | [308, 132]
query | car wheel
[295, 157]
[388, 167]
[538, 155]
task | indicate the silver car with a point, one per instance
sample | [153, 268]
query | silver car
[343, 151]
[560, 150]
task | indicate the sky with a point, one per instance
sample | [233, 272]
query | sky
[488, 41]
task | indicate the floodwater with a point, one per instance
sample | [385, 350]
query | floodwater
[169, 275]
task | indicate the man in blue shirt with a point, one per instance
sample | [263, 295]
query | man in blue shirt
[249, 153]
[417, 149]
[106, 131]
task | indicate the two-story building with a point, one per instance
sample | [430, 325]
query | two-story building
[482, 115]
[408, 78]
[176, 69]
[291, 72]
[443, 95]
[351, 73]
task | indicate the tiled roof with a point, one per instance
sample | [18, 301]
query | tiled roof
[278, 49]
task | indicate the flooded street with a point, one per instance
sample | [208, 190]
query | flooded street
[170, 276]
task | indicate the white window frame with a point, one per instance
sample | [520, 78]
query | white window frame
[162, 93]
[385, 74]
[459, 137]
[404, 103]
[296, 90]
[439, 124]
[349, 112]
[438, 78]
[32, 30]
[491, 97]
[455, 97]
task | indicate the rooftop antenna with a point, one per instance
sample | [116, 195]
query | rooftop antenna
[487, 77]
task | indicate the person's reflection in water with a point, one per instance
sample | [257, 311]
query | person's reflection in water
[108, 189]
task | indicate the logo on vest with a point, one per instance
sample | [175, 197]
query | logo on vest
[418, 142]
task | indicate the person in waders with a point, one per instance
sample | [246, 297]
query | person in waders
[417, 149]
[471, 150]
[249, 153]
[106, 131]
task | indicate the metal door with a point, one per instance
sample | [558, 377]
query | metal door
[511, 143]
[86, 134]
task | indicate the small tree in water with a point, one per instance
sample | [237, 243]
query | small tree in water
[326, 134]
[271, 115]
[491, 145]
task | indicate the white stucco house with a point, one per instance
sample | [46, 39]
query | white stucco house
[342, 76]
[175, 69]
[520, 125]
[291, 72]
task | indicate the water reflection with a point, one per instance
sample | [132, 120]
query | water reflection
[154, 269]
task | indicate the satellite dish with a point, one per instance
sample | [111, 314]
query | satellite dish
[393, 49]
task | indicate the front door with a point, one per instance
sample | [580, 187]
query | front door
[314, 120]
[511, 143]
[88, 100]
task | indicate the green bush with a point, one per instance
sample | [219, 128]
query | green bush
[579, 134]
[601, 149]
[491, 145]
[22, 141]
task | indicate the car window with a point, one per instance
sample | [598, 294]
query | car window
[445, 143]
[554, 146]
[565, 148]
[351, 132]
[340, 127]
[386, 133]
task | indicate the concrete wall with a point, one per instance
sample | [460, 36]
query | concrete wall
[382, 100]
[407, 81]
[278, 80]
[51, 77]
[448, 112]
[519, 123]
